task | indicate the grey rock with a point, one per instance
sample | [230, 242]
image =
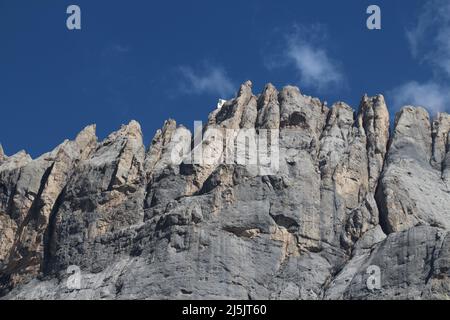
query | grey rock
[33, 187]
[412, 191]
[157, 224]
[105, 193]
[373, 117]
[407, 263]
[2, 154]
[446, 163]
[230, 114]
[440, 129]
[268, 109]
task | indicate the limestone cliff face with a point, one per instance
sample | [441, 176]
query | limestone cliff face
[345, 196]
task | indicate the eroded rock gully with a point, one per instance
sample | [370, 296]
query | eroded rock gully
[347, 195]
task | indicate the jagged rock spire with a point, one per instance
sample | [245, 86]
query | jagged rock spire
[373, 119]
[440, 133]
[2, 153]
[268, 108]
[245, 89]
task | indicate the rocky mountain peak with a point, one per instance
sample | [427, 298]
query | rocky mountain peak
[341, 195]
[245, 89]
[86, 136]
[2, 154]
[440, 130]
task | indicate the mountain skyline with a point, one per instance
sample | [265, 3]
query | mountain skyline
[151, 62]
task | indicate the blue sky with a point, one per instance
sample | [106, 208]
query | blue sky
[153, 60]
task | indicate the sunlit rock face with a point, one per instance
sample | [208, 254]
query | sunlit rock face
[347, 195]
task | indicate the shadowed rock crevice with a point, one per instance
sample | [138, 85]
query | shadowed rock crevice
[49, 236]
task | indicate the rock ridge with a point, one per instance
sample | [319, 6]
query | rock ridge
[152, 223]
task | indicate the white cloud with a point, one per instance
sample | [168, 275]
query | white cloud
[305, 50]
[209, 79]
[430, 95]
[429, 41]
[315, 67]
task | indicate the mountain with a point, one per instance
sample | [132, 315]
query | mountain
[345, 208]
